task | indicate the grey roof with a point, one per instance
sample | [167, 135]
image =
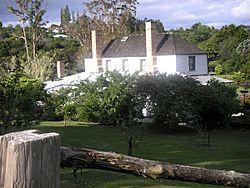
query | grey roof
[69, 81]
[135, 46]
[204, 79]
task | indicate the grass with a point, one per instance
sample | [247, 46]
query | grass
[230, 150]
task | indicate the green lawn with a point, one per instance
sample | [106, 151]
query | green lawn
[230, 150]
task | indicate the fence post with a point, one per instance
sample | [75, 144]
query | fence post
[29, 159]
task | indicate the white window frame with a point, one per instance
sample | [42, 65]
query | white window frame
[143, 65]
[191, 63]
[108, 65]
[125, 65]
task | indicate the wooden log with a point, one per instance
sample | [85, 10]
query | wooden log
[30, 160]
[86, 158]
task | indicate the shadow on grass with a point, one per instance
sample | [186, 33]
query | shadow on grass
[101, 179]
[230, 151]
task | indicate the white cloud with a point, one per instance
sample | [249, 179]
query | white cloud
[173, 13]
[242, 10]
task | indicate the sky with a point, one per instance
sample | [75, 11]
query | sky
[173, 13]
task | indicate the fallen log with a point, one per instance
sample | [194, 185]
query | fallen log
[86, 158]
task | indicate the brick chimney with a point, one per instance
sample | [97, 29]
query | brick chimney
[97, 51]
[151, 45]
[60, 69]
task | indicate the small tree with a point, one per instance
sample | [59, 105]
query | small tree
[102, 100]
[132, 131]
[21, 103]
[213, 106]
[60, 106]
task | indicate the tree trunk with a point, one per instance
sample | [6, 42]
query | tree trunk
[130, 146]
[208, 138]
[25, 42]
[85, 158]
[64, 122]
[34, 44]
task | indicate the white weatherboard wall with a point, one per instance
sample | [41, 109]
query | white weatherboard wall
[166, 64]
[201, 66]
[133, 64]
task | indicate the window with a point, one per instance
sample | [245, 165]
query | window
[124, 65]
[108, 65]
[142, 65]
[191, 63]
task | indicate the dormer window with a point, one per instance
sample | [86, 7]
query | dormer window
[124, 39]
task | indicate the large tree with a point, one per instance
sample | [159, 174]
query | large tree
[30, 12]
[36, 13]
[80, 30]
[65, 15]
[22, 12]
[111, 17]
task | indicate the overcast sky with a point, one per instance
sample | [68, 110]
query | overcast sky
[173, 13]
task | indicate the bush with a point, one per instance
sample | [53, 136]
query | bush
[21, 103]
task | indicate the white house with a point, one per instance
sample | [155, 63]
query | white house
[163, 53]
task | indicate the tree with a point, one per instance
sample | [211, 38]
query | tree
[132, 131]
[222, 46]
[166, 97]
[22, 12]
[173, 99]
[80, 29]
[65, 15]
[103, 100]
[213, 106]
[30, 12]
[138, 26]
[40, 68]
[36, 14]
[111, 17]
[21, 101]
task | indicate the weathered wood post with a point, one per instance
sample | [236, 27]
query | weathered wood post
[29, 159]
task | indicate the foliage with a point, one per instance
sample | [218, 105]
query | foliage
[40, 68]
[30, 12]
[111, 17]
[21, 101]
[138, 26]
[166, 97]
[105, 99]
[65, 15]
[222, 45]
[80, 30]
[36, 22]
[176, 99]
[60, 106]
[213, 106]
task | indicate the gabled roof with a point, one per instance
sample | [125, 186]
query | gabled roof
[135, 46]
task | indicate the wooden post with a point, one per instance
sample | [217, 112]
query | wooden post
[29, 159]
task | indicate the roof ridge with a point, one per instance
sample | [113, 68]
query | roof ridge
[173, 43]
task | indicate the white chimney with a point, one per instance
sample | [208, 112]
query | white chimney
[60, 69]
[97, 51]
[151, 46]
